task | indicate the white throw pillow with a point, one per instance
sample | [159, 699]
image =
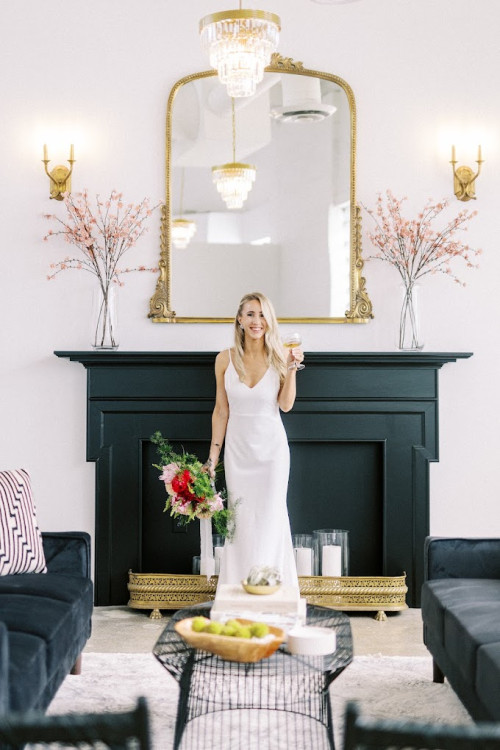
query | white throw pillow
[21, 549]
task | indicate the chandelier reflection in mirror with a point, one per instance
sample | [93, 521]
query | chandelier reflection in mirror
[183, 230]
[234, 180]
[239, 44]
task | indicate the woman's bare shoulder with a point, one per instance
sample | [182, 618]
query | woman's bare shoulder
[222, 360]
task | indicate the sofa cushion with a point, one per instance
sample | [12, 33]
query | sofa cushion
[488, 678]
[62, 623]
[66, 588]
[27, 670]
[21, 548]
[439, 595]
[467, 626]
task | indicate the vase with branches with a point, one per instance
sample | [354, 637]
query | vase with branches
[102, 234]
[415, 248]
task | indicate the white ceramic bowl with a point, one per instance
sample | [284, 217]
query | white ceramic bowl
[310, 640]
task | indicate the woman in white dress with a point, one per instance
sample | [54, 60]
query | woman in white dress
[254, 381]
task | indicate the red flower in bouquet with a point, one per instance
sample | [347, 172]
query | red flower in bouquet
[180, 483]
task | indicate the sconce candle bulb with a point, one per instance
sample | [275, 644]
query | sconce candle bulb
[464, 178]
[60, 176]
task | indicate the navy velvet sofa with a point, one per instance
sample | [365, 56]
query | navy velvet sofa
[461, 616]
[45, 621]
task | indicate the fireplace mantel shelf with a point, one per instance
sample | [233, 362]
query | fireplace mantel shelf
[371, 418]
[412, 359]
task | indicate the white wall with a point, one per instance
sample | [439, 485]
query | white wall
[103, 71]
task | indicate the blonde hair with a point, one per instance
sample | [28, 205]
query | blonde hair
[273, 346]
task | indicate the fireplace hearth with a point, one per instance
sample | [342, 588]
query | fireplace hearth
[362, 433]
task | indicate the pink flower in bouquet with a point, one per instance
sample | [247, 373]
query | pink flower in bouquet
[179, 505]
[169, 472]
[216, 503]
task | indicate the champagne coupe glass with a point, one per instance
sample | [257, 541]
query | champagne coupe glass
[291, 341]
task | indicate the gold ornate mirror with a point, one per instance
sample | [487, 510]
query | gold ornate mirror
[297, 236]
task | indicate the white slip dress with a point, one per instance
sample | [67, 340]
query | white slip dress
[257, 466]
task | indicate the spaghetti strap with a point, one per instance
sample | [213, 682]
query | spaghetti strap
[229, 352]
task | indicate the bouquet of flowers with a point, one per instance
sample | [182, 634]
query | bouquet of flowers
[191, 492]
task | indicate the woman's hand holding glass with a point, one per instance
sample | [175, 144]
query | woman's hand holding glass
[295, 354]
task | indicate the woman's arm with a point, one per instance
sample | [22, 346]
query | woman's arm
[220, 413]
[286, 396]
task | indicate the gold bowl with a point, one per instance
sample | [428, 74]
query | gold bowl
[260, 589]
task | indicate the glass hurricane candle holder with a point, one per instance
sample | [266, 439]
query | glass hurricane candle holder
[218, 542]
[331, 552]
[303, 551]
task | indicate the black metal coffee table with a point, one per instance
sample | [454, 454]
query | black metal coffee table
[280, 702]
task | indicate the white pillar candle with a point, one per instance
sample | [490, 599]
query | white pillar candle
[218, 554]
[331, 560]
[303, 557]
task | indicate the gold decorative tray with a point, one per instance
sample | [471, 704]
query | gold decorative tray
[380, 594]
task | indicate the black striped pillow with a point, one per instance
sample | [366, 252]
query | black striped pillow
[21, 549]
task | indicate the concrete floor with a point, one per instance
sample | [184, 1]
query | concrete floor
[125, 630]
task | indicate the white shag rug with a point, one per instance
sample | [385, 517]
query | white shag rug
[384, 686]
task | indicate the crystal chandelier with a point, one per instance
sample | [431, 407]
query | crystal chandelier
[239, 44]
[234, 180]
[183, 230]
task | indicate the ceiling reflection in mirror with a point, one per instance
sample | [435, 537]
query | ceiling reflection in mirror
[295, 238]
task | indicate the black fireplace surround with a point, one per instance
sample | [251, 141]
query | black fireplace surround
[362, 432]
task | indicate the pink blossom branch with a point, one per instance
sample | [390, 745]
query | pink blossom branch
[102, 238]
[413, 247]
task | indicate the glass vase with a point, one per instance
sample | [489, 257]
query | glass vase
[303, 551]
[331, 552]
[218, 542]
[409, 329]
[103, 331]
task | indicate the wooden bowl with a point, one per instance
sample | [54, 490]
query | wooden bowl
[263, 590]
[229, 647]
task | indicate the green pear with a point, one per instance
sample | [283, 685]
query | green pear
[259, 629]
[198, 624]
[213, 627]
[243, 632]
[229, 630]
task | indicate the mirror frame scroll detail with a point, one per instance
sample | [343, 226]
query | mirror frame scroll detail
[360, 310]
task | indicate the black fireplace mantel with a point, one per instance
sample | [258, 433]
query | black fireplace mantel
[362, 433]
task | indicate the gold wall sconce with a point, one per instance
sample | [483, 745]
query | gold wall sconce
[464, 178]
[60, 176]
